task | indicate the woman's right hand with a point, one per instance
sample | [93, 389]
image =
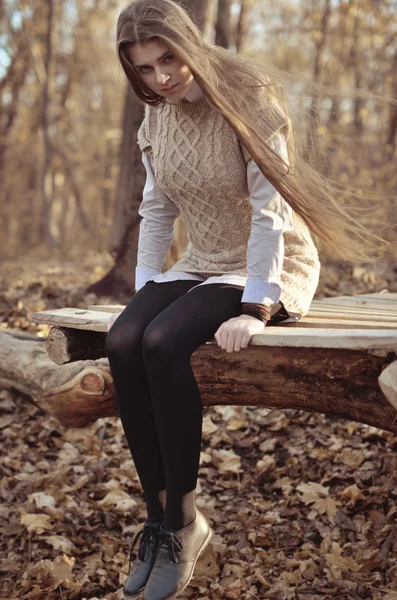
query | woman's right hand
[112, 319]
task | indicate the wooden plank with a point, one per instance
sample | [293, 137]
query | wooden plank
[97, 320]
[355, 301]
[315, 310]
[368, 301]
[109, 308]
[74, 318]
[360, 302]
[348, 323]
[360, 314]
[319, 307]
[348, 339]
[352, 300]
[293, 335]
[320, 319]
[372, 296]
[390, 295]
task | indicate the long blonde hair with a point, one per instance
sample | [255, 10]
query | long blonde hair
[235, 86]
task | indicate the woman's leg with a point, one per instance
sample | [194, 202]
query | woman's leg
[168, 343]
[124, 350]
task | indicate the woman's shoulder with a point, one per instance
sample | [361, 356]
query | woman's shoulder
[144, 135]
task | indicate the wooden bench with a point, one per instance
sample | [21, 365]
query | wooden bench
[341, 360]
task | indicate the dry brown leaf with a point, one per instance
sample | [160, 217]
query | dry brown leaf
[209, 426]
[342, 563]
[58, 542]
[35, 523]
[352, 493]
[41, 499]
[235, 424]
[118, 499]
[352, 457]
[227, 460]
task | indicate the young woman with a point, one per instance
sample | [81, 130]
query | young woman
[218, 149]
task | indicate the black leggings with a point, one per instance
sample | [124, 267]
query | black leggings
[149, 349]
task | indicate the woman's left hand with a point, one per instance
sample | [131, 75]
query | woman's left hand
[236, 333]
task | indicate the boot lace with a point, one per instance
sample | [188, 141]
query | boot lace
[148, 538]
[172, 542]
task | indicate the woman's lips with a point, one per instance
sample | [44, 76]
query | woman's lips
[171, 89]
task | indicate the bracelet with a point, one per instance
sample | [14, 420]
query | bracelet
[259, 311]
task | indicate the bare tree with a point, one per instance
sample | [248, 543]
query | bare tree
[356, 62]
[199, 11]
[392, 133]
[120, 280]
[222, 25]
[242, 25]
[47, 149]
[312, 142]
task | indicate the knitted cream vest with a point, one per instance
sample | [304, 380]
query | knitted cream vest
[200, 165]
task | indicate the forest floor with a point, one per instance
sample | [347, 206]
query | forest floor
[303, 505]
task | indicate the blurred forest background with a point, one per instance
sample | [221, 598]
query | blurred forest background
[304, 504]
[70, 169]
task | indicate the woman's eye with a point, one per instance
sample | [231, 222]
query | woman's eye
[168, 58]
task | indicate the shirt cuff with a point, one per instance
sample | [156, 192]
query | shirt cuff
[261, 292]
[142, 275]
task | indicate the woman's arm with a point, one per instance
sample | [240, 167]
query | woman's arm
[156, 230]
[271, 216]
[265, 254]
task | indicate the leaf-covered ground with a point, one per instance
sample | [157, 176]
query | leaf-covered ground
[303, 506]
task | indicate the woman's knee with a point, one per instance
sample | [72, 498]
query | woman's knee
[122, 339]
[156, 342]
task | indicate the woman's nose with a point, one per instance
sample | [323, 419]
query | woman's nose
[161, 78]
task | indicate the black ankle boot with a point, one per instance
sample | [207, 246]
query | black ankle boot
[139, 572]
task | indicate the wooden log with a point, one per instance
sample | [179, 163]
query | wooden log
[65, 345]
[342, 383]
[76, 394]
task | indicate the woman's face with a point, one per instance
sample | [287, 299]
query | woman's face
[160, 69]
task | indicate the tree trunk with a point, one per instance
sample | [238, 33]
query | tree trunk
[131, 177]
[222, 26]
[392, 133]
[199, 12]
[120, 280]
[356, 64]
[46, 212]
[242, 29]
[312, 137]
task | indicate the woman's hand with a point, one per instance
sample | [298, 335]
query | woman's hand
[236, 333]
[112, 319]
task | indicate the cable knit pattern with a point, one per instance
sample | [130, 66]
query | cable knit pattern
[200, 165]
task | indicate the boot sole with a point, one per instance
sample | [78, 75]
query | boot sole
[203, 547]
